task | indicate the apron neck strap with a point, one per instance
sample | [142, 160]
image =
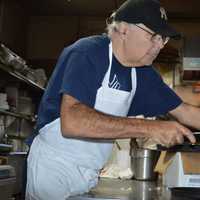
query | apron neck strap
[107, 76]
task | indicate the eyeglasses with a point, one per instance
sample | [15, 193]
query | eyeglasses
[155, 37]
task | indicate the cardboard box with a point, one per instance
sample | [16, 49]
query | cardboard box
[180, 169]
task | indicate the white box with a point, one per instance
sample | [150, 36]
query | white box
[181, 169]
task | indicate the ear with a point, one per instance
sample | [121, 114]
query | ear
[123, 30]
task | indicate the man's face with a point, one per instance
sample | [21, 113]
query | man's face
[142, 45]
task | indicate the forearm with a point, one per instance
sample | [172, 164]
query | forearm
[79, 120]
[188, 115]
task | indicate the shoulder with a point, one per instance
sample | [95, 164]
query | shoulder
[93, 49]
[92, 46]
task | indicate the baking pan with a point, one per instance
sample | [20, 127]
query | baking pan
[186, 146]
[185, 193]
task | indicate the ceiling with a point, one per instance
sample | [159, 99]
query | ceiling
[177, 9]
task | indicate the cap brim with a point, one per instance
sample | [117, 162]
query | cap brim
[168, 31]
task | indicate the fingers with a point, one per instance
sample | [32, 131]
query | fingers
[177, 136]
[179, 139]
[188, 134]
[173, 133]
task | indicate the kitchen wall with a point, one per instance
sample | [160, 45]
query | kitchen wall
[64, 30]
[40, 39]
[48, 35]
[13, 25]
[187, 94]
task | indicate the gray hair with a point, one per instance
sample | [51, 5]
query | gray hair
[112, 25]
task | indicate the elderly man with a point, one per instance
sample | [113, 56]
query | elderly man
[98, 82]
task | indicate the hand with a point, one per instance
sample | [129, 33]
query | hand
[169, 133]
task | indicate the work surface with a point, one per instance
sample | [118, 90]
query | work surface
[115, 189]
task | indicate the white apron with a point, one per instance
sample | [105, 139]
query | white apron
[60, 167]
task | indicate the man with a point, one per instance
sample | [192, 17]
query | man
[98, 82]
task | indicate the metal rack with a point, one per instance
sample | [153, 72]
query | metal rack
[17, 140]
[21, 77]
[17, 115]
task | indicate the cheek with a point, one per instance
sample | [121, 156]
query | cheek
[137, 47]
[153, 51]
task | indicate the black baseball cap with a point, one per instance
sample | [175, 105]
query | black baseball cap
[148, 12]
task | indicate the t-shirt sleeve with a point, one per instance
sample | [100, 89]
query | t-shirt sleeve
[153, 97]
[79, 80]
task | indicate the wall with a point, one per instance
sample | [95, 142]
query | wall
[13, 22]
[187, 95]
[48, 35]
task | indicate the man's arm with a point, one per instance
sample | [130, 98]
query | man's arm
[78, 120]
[188, 115]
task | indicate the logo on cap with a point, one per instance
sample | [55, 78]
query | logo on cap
[163, 13]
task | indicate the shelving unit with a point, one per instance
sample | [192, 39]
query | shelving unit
[35, 91]
[20, 77]
[18, 115]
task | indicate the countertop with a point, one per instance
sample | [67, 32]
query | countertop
[109, 189]
[116, 189]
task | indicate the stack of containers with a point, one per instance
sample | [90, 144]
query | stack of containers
[3, 101]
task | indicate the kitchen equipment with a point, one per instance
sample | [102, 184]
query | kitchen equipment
[12, 92]
[25, 106]
[8, 57]
[41, 77]
[7, 181]
[186, 146]
[143, 162]
[26, 128]
[6, 171]
[16, 145]
[90, 198]
[185, 193]
[18, 160]
[7, 187]
[5, 148]
[179, 169]
[3, 101]
[12, 126]
[2, 127]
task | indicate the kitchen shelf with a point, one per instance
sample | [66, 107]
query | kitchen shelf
[18, 115]
[19, 137]
[20, 77]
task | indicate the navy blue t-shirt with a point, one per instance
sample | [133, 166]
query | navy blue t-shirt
[80, 70]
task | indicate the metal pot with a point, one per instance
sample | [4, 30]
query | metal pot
[143, 162]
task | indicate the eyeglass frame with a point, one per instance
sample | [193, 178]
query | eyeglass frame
[153, 35]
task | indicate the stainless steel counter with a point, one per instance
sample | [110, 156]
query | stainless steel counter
[115, 189]
[126, 190]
